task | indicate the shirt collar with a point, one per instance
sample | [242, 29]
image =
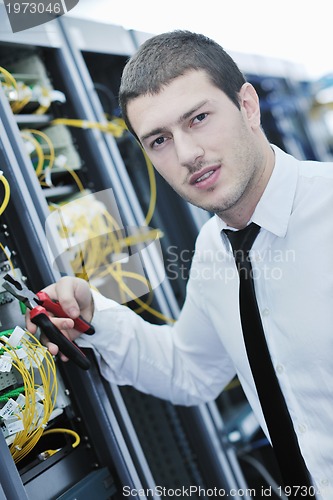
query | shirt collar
[275, 206]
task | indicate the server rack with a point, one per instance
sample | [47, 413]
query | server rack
[24, 236]
[101, 462]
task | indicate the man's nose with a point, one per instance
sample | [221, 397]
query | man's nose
[188, 149]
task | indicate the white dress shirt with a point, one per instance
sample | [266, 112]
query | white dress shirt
[193, 360]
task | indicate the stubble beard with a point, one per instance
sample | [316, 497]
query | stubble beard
[243, 185]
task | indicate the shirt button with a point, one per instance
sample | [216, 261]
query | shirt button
[302, 428]
[265, 312]
[279, 368]
[324, 482]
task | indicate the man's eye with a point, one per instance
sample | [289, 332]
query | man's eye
[158, 141]
[200, 117]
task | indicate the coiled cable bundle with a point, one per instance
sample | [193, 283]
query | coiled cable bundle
[28, 402]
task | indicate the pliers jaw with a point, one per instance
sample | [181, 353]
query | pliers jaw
[19, 290]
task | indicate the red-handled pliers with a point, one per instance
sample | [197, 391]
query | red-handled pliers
[39, 304]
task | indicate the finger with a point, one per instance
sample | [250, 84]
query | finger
[61, 323]
[64, 292]
[54, 349]
[30, 326]
[74, 296]
[65, 327]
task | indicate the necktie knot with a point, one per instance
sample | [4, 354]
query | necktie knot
[242, 240]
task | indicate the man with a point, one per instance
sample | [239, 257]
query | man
[197, 118]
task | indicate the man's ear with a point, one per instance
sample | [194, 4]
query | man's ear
[249, 103]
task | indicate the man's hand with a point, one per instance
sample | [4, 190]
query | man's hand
[75, 298]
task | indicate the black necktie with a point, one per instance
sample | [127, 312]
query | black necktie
[284, 441]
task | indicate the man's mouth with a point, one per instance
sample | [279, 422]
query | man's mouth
[203, 175]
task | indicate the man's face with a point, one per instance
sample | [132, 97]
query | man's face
[200, 142]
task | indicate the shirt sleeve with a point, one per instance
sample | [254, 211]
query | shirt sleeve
[184, 363]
